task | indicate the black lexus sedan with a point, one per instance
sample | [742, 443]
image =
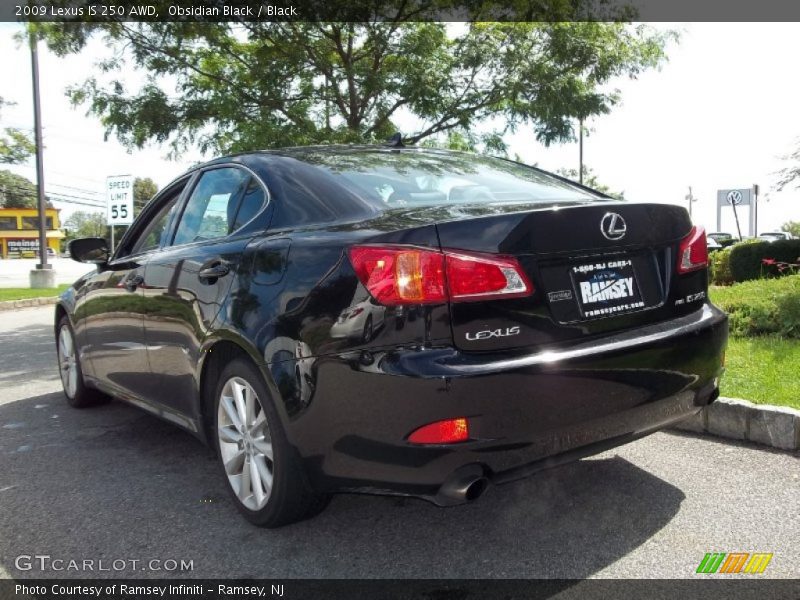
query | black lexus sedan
[393, 320]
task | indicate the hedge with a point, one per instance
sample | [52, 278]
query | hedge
[720, 265]
[764, 306]
[746, 259]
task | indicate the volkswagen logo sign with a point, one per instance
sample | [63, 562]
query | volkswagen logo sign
[734, 197]
[613, 226]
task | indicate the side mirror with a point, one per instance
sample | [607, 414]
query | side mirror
[89, 250]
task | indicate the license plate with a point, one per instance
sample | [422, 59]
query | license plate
[606, 288]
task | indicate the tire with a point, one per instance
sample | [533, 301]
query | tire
[259, 452]
[78, 394]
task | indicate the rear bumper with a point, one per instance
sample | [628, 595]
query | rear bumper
[526, 411]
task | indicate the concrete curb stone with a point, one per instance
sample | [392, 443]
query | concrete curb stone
[733, 418]
[27, 303]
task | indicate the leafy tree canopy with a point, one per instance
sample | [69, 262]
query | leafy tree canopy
[16, 191]
[15, 146]
[792, 227]
[227, 87]
[590, 180]
[82, 224]
[143, 190]
[791, 173]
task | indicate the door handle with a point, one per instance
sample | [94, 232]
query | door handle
[213, 270]
[131, 283]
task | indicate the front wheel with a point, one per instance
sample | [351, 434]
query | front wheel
[265, 478]
[69, 367]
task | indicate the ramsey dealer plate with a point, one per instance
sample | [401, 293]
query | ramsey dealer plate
[606, 288]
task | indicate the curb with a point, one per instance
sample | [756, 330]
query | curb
[27, 303]
[775, 426]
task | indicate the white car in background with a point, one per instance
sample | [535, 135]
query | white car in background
[774, 236]
[359, 321]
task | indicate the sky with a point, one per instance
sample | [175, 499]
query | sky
[721, 113]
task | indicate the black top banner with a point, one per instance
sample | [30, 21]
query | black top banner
[108, 11]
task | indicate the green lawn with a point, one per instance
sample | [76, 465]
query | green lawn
[763, 370]
[25, 293]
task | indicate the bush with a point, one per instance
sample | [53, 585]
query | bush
[720, 264]
[745, 259]
[764, 306]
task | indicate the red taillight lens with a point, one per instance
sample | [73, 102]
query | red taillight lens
[448, 431]
[398, 275]
[407, 275]
[481, 277]
[693, 251]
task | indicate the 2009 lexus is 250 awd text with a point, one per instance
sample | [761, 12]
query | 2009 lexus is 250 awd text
[393, 320]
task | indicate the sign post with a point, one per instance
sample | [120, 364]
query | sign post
[119, 194]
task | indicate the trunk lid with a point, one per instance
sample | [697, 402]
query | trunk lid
[596, 268]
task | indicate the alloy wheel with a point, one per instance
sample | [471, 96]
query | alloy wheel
[245, 443]
[67, 363]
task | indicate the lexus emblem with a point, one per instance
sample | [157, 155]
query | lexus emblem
[612, 226]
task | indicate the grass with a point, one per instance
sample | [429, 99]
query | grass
[25, 293]
[763, 357]
[763, 370]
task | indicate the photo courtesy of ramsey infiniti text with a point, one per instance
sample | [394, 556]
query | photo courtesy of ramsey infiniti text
[393, 320]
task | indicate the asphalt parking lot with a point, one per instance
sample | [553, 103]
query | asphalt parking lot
[113, 483]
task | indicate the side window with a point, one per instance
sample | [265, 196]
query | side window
[252, 202]
[211, 210]
[154, 232]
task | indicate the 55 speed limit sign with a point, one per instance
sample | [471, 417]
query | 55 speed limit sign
[119, 193]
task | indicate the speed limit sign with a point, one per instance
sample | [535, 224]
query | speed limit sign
[119, 193]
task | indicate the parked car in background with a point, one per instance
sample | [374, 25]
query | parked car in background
[723, 239]
[551, 322]
[713, 245]
[774, 236]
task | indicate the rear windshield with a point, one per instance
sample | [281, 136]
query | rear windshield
[430, 178]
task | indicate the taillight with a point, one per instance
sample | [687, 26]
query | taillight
[400, 275]
[693, 251]
[481, 277]
[408, 275]
[448, 431]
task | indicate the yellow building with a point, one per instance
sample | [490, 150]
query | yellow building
[19, 232]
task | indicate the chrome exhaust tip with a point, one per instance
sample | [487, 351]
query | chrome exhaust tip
[464, 485]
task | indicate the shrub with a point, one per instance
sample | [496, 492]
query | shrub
[720, 263]
[746, 259]
[764, 306]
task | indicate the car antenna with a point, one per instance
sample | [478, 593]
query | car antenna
[396, 141]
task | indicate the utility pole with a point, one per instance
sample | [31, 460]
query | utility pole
[580, 150]
[755, 210]
[690, 197]
[43, 276]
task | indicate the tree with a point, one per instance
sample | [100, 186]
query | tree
[247, 85]
[791, 173]
[590, 180]
[143, 190]
[85, 224]
[16, 191]
[792, 227]
[15, 146]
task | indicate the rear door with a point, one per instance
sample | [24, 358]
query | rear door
[187, 281]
